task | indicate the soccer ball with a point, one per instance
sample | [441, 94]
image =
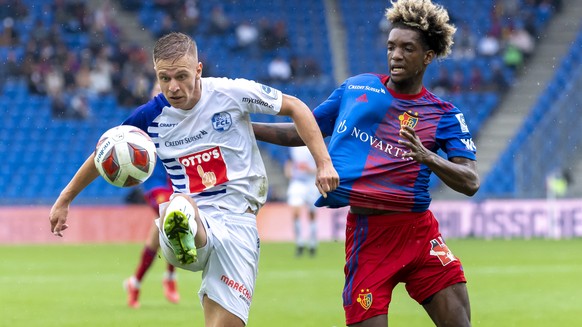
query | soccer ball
[125, 156]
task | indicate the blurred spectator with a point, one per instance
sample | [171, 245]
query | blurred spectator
[166, 26]
[166, 5]
[465, 43]
[189, 17]
[80, 108]
[266, 35]
[34, 77]
[512, 57]
[131, 5]
[12, 68]
[279, 70]
[507, 8]
[219, 22]
[100, 76]
[15, 9]
[247, 35]
[458, 82]
[304, 69]
[475, 80]
[273, 37]
[522, 40]
[488, 45]
[54, 80]
[442, 85]
[384, 27]
[8, 36]
[498, 82]
[280, 36]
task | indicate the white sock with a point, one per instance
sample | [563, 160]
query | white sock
[313, 234]
[297, 228]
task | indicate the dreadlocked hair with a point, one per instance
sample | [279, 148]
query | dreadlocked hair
[430, 19]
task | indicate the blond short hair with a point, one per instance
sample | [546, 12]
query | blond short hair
[174, 46]
[430, 19]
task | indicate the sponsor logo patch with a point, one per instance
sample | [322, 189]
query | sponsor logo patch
[257, 101]
[461, 119]
[205, 169]
[439, 249]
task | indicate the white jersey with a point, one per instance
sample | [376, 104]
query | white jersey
[210, 151]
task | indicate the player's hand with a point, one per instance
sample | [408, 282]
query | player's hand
[417, 151]
[327, 179]
[58, 219]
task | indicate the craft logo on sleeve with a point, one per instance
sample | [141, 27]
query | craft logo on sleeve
[205, 169]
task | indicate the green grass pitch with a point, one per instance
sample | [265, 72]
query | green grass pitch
[511, 283]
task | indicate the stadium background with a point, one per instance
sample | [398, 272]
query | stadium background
[70, 69]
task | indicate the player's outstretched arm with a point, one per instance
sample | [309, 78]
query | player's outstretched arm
[279, 133]
[306, 127]
[60, 210]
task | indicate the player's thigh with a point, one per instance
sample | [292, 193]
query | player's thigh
[450, 306]
[153, 241]
[377, 321]
[216, 315]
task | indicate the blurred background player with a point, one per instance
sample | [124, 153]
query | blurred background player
[302, 193]
[157, 189]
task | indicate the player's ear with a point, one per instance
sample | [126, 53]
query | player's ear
[429, 56]
[199, 70]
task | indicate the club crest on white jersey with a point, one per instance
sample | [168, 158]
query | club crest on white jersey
[221, 121]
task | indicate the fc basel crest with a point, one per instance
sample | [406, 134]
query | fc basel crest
[408, 119]
[365, 299]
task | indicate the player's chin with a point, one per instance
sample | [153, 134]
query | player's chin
[398, 77]
[179, 103]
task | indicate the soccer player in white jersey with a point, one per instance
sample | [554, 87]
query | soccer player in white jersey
[302, 194]
[203, 135]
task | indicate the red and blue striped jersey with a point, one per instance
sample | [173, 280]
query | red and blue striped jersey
[363, 119]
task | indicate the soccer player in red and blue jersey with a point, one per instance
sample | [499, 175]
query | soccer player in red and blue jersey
[385, 131]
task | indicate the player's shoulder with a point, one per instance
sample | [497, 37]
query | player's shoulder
[224, 84]
[149, 110]
[368, 77]
[446, 106]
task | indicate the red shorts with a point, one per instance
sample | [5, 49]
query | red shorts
[156, 196]
[382, 251]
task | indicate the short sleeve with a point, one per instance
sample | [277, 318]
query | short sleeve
[257, 97]
[327, 112]
[454, 137]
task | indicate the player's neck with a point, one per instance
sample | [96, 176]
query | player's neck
[405, 87]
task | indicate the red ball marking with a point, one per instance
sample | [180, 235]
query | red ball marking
[130, 181]
[139, 157]
[110, 164]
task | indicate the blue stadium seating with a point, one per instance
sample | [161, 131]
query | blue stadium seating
[42, 153]
[501, 181]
